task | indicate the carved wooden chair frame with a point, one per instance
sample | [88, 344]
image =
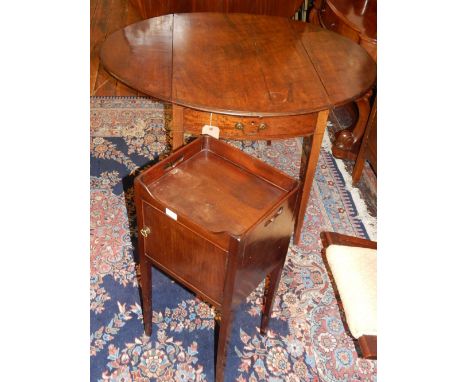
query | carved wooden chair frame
[367, 343]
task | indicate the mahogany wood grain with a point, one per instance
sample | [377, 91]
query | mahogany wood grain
[345, 69]
[235, 216]
[154, 8]
[246, 195]
[256, 74]
[233, 127]
[367, 343]
[176, 240]
[256, 66]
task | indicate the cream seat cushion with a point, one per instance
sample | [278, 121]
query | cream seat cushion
[355, 272]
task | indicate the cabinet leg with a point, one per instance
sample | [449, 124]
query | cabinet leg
[310, 154]
[224, 335]
[147, 304]
[271, 286]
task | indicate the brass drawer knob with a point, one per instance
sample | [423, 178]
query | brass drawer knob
[239, 126]
[262, 126]
[145, 231]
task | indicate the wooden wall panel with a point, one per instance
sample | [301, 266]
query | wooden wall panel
[153, 8]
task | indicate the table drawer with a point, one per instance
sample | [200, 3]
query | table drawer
[237, 127]
[185, 255]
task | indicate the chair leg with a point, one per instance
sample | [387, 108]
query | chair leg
[368, 345]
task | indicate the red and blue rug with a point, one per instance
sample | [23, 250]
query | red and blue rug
[306, 341]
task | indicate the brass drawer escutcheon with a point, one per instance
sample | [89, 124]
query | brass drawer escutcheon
[239, 126]
[145, 231]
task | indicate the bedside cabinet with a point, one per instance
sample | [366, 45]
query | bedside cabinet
[217, 221]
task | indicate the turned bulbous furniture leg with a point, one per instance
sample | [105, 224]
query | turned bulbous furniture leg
[348, 141]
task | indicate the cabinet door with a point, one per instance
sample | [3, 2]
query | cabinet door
[185, 255]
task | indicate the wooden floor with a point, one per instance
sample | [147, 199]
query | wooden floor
[107, 16]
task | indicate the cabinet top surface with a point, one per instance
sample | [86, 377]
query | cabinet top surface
[216, 194]
[239, 64]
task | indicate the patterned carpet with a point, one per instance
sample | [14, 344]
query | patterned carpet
[306, 341]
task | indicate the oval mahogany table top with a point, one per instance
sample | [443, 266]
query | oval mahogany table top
[239, 64]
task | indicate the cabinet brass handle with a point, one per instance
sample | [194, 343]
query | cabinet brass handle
[171, 165]
[239, 126]
[145, 231]
[278, 213]
[262, 126]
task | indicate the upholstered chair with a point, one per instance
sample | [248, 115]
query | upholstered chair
[352, 263]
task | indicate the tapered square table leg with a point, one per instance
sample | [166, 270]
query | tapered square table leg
[177, 126]
[310, 155]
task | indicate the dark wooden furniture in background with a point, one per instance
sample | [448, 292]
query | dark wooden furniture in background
[356, 20]
[255, 77]
[368, 149]
[367, 343]
[154, 8]
[218, 221]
